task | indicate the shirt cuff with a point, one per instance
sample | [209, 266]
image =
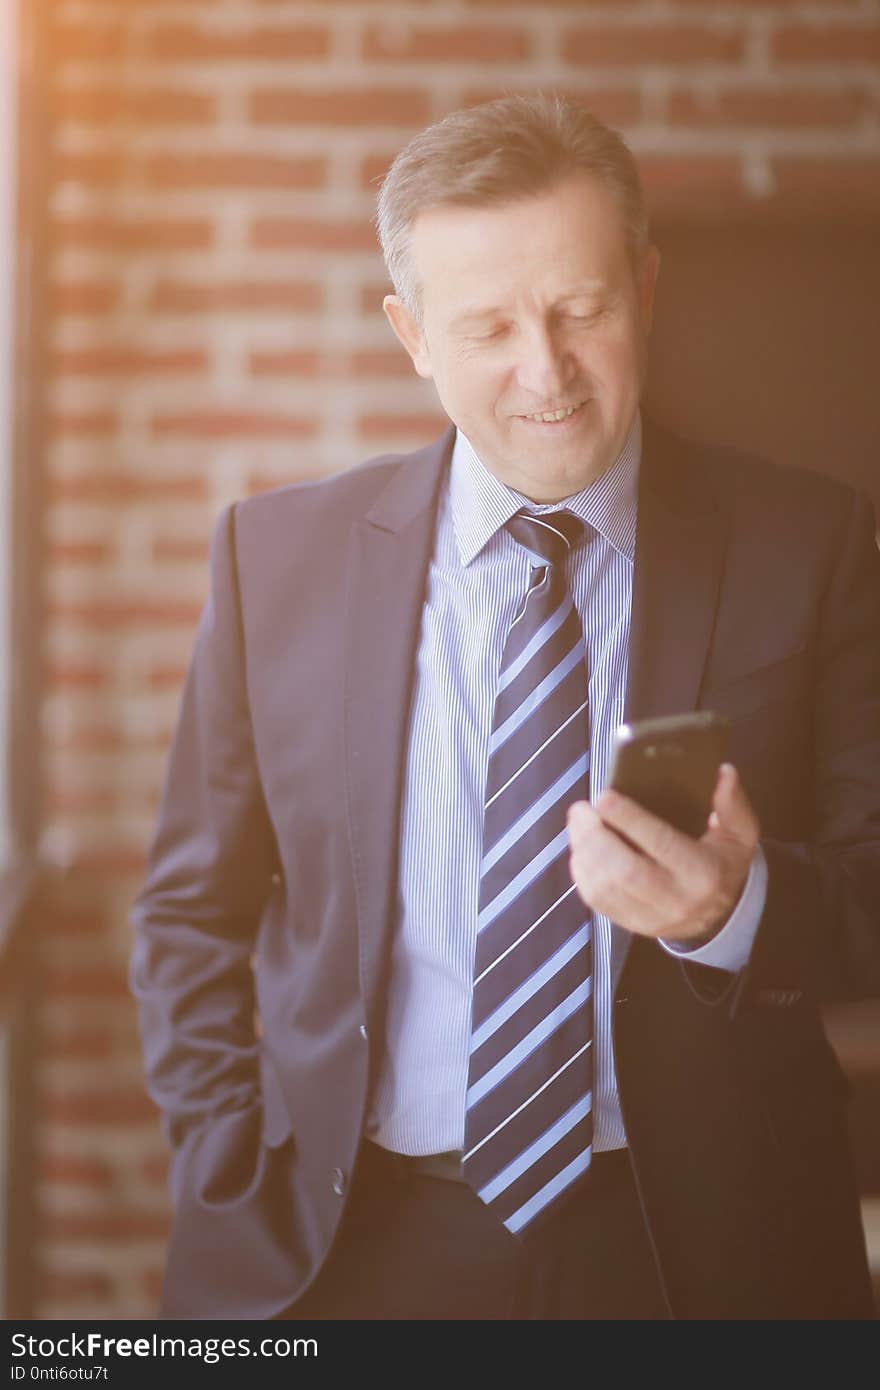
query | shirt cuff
[730, 948]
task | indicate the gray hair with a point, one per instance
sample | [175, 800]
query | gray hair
[496, 153]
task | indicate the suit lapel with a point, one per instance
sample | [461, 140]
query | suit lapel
[388, 564]
[680, 541]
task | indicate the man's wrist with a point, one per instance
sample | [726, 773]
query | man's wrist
[729, 944]
[693, 943]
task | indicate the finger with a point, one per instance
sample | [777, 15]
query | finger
[612, 875]
[615, 901]
[588, 832]
[671, 848]
[732, 811]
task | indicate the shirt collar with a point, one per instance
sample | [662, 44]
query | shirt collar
[481, 503]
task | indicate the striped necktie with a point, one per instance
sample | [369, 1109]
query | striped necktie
[528, 1125]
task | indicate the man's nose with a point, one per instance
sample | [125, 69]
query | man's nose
[545, 366]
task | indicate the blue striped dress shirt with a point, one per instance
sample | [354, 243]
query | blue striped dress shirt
[476, 581]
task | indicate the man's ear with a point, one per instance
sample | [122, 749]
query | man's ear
[409, 333]
[649, 269]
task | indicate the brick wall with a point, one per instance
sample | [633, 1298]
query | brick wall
[214, 294]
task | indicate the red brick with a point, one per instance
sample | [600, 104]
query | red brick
[134, 234]
[72, 922]
[557, 4]
[834, 184]
[129, 362]
[378, 426]
[257, 482]
[93, 169]
[75, 297]
[110, 1226]
[374, 167]
[71, 1171]
[69, 1288]
[176, 550]
[111, 107]
[75, 675]
[86, 1046]
[230, 424]
[293, 362]
[153, 1282]
[827, 43]
[155, 1169]
[79, 552]
[167, 677]
[119, 488]
[632, 45]
[235, 170]
[82, 801]
[246, 296]
[125, 612]
[340, 106]
[92, 422]
[406, 42]
[96, 982]
[667, 177]
[113, 863]
[618, 106]
[371, 298]
[79, 1044]
[91, 42]
[765, 4]
[104, 738]
[184, 43]
[379, 363]
[766, 106]
[313, 234]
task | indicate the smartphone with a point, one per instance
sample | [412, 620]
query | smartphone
[670, 765]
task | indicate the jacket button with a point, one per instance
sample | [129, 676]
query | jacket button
[276, 879]
[363, 1031]
[338, 1181]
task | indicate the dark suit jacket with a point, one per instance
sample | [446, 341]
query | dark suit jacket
[263, 927]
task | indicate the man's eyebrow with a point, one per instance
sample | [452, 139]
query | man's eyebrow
[473, 316]
[585, 287]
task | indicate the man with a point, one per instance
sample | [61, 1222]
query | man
[440, 1029]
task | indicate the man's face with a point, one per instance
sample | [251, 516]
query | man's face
[528, 308]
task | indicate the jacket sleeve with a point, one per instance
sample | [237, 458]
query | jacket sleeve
[819, 933]
[208, 875]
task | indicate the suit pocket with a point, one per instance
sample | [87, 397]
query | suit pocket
[770, 684]
[223, 1159]
[277, 1126]
[799, 1080]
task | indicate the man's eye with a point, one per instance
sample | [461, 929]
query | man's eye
[491, 334]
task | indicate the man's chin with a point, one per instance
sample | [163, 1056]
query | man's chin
[552, 483]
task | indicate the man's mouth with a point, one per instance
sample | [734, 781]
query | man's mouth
[553, 417]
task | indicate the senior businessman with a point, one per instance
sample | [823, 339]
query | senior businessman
[440, 1029]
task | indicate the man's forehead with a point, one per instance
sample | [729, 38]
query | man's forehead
[576, 226]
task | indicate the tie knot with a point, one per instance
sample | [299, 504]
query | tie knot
[550, 536]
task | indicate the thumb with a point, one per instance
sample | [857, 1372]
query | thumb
[731, 809]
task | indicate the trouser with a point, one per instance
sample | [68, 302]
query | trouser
[423, 1247]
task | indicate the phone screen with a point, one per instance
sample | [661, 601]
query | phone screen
[670, 766]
